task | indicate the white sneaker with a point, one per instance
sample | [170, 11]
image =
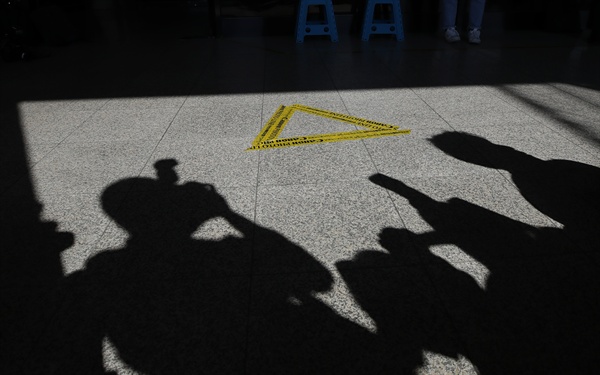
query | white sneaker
[475, 36]
[451, 35]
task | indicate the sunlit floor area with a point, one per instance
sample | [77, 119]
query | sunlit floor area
[142, 234]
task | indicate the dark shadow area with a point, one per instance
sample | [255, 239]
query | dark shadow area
[538, 309]
[564, 190]
[30, 270]
[73, 71]
[397, 293]
[585, 131]
[126, 19]
[30, 266]
[171, 304]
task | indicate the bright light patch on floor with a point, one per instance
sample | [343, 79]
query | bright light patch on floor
[113, 362]
[462, 261]
[216, 229]
[437, 364]
[339, 298]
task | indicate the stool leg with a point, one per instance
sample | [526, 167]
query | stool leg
[398, 21]
[301, 22]
[368, 20]
[331, 21]
[326, 26]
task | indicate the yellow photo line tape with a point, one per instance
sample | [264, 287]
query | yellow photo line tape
[265, 130]
[326, 138]
[267, 137]
[345, 118]
[281, 122]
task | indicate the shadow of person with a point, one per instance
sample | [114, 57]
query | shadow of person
[397, 293]
[31, 271]
[537, 310]
[567, 191]
[168, 303]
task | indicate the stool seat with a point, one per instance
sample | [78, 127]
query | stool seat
[390, 25]
[324, 26]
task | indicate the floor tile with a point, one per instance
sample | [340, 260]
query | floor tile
[250, 100]
[51, 126]
[222, 162]
[328, 222]
[313, 164]
[124, 125]
[215, 123]
[81, 215]
[143, 103]
[413, 155]
[540, 142]
[327, 100]
[89, 167]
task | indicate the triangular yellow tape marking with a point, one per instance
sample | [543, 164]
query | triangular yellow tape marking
[345, 118]
[277, 127]
[267, 138]
[265, 130]
[326, 138]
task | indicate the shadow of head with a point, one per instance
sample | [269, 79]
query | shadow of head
[161, 208]
[462, 146]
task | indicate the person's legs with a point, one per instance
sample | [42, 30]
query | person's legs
[448, 13]
[448, 21]
[476, 13]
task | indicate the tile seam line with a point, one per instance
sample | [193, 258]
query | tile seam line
[344, 182]
[459, 337]
[553, 84]
[337, 90]
[46, 155]
[425, 267]
[92, 244]
[551, 129]
[439, 116]
[162, 136]
[497, 171]
[64, 139]
[394, 74]
[254, 219]
[362, 141]
[130, 189]
[380, 62]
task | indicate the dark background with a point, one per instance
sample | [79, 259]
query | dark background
[63, 21]
[30, 258]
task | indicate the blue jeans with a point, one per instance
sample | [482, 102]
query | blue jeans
[449, 8]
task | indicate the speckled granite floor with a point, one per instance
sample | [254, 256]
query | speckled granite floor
[140, 237]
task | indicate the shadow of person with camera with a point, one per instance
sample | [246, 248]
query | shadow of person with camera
[168, 303]
[537, 310]
[394, 288]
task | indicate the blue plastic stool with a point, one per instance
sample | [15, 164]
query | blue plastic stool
[325, 26]
[391, 25]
